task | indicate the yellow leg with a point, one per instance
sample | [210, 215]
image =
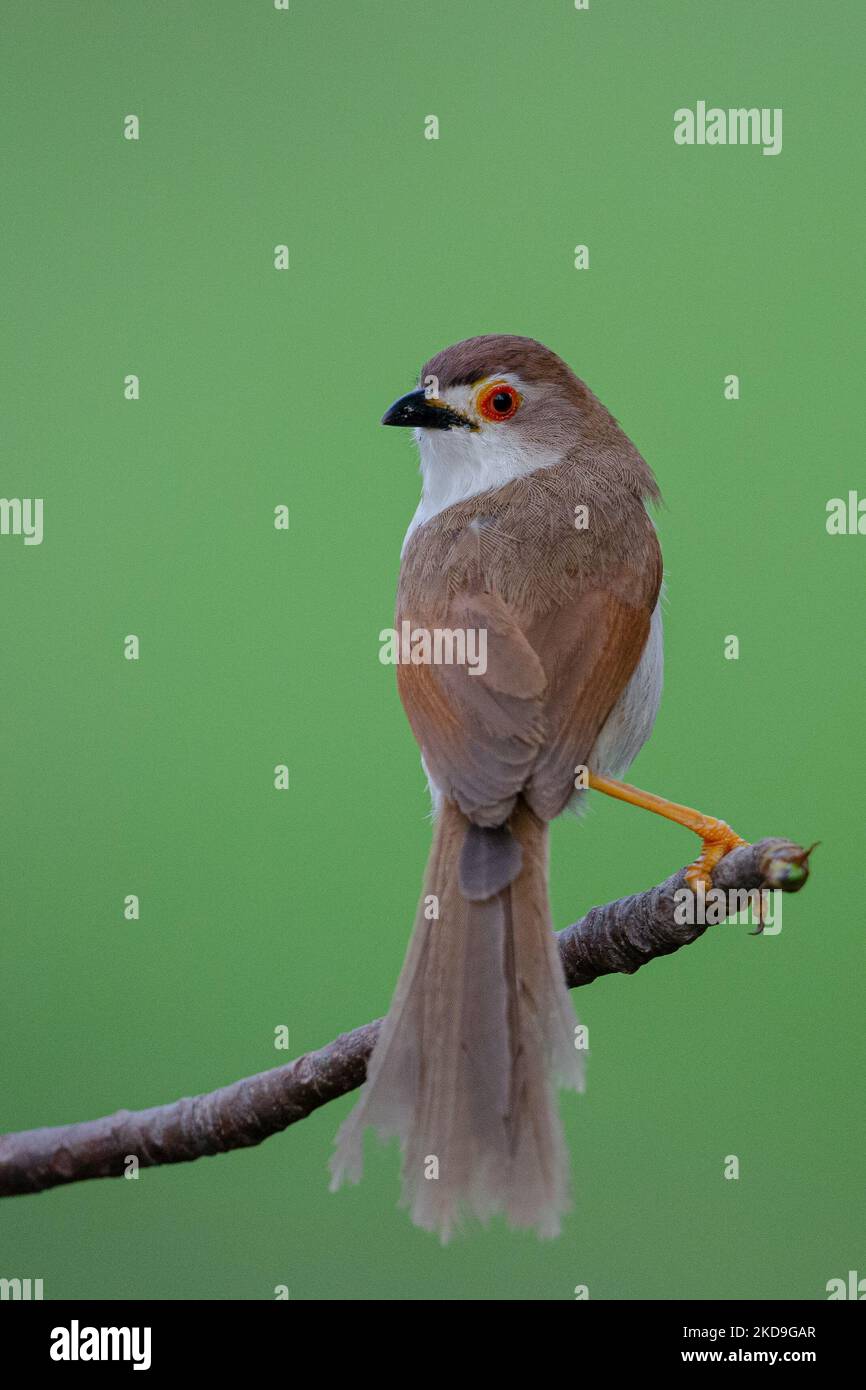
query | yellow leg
[718, 837]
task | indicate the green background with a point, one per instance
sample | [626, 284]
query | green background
[258, 647]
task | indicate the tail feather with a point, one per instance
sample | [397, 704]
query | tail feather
[479, 1031]
[489, 860]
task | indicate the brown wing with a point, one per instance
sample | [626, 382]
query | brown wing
[590, 649]
[532, 717]
[480, 733]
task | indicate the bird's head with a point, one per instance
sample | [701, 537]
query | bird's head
[491, 409]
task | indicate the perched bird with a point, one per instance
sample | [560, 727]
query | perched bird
[533, 529]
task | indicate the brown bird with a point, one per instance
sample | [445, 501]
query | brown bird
[533, 535]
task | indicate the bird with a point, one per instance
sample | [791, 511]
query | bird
[534, 528]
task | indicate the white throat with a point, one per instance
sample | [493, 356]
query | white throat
[457, 464]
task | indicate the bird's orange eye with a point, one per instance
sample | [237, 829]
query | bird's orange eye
[499, 401]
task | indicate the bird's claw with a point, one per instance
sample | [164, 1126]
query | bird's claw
[718, 840]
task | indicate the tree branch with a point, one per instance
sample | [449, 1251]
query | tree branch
[617, 938]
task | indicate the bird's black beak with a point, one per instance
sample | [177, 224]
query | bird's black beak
[420, 411]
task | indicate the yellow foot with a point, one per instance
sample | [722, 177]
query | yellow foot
[718, 840]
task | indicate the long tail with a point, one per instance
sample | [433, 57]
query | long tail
[479, 1032]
